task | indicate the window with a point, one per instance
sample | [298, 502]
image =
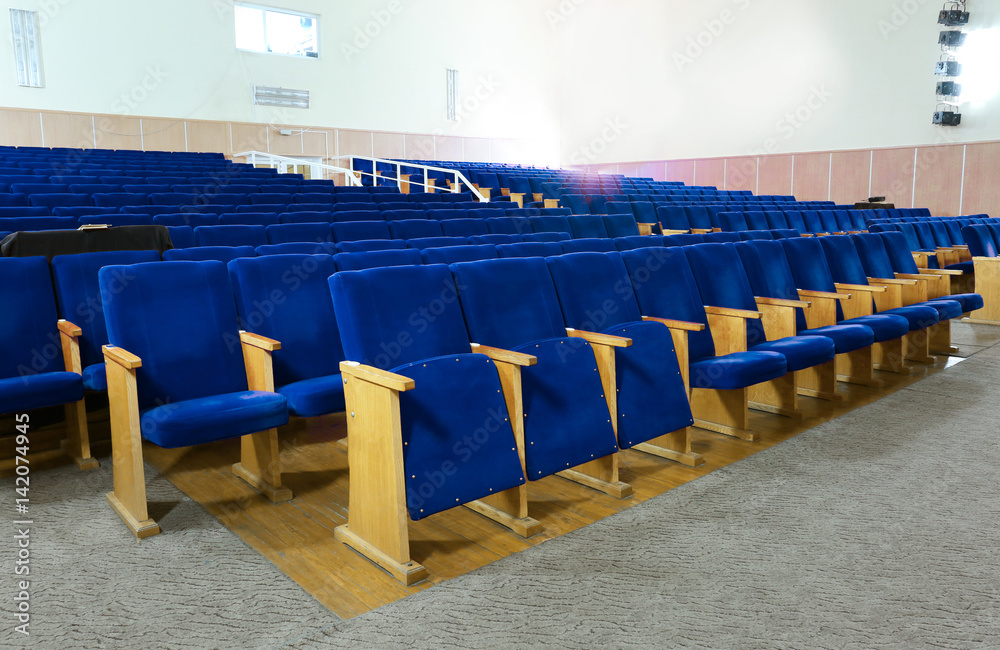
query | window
[276, 31]
[24, 34]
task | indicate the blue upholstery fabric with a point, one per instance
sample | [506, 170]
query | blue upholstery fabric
[180, 319]
[800, 351]
[299, 232]
[366, 245]
[376, 259]
[566, 419]
[230, 236]
[452, 254]
[32, 391]
[512, 304]
[588, 246]
[545, 237]
[31, 363]
[509, 302]
[921, 316]
[223, 254]
[458, 445]
[583, 227]
[360, 230]
[415, 228]
[652, 400]
[418, 314]
[885, 327]
[529, 249]
[80, 301]
[287, 298]
[737, 370]
[298, 248]
[216, 417]
[638, 242]
[621, 225]
[845, 337]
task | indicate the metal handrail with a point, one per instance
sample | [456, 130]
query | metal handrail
[460, 178]
[251, 156]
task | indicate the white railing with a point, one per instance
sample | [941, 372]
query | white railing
[283, 162]
[460, 179]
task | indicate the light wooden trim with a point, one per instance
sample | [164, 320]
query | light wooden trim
[729, 331]
[129, 496]
[258, 341]
[68, 328]
[595, 338]
[377, 515]
[121, 357]
[713, 310]
[778, 321]
[671, 232]
[781, 302]
[897, 280]
[375, 376]
[505, 356]
[860, 287]
[942, 271]
[677, 324]
[809, 293]
[645, 228]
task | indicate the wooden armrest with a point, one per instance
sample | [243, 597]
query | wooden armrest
[595, 338]
[122, 357]
[809, 293]
[911, 276]
[375, 376]
[260, 342]
[675, 232]
[505, 356]
[677, 324]
[859, 287]
[68, 328]
[941, 272]
[726, 311]
[781, 302]
[896, 280]
[645, 228]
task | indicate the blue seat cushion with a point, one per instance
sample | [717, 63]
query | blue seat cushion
[947, 308]
[964, 267]
[969, 301]
[37, 391]
[217, 417]
[918, 316]
[885, 327]
[800, 351]
[846, 338]
[317, 396]
[737, 370]
[95, 377]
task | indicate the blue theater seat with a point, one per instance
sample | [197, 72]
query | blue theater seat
[34, 373]
[588, 246]
[298, 248]
[307, 367]
[248, 219]
[464, 227]
[529, 249]
[377, 259]
[652, 408]
[719, 371]
[224, 254]
[364, 245]
[230, 236]
[421, 243]
[299, 232]
[620, 225]
[360, 230]
[415, 228]
[177, 377]
[411, 386]
[452, 254]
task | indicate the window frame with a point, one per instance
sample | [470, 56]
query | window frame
[290, 12]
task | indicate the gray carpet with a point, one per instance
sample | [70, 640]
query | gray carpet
[93, 585]
[875, 530]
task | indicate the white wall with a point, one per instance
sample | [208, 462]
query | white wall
[613, 80]
[859, 72]
[98, 55]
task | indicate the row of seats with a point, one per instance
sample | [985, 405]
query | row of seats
[521, 305]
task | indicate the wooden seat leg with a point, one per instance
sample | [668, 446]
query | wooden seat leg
[129, 496]
[601, 474]
[779, 396]
[889, 356]
[722, 411]
[940, 338]
[675, 446]
[377, 518]
[260, 465]
[819, 381]
[77, 443]
[857, 368]
[916, 347]
[510, 507]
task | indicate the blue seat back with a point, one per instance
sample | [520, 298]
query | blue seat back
[79, 298]
[722, 282]
[842, 256]
[224, 254]
[376, 259]
[665, 288]
[29, 341]
[180, 319]
[406, 299]
[287, 298]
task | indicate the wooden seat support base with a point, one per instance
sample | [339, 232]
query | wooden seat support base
[779, 396]
[409, 572]
[722, 411]
[675, 446]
